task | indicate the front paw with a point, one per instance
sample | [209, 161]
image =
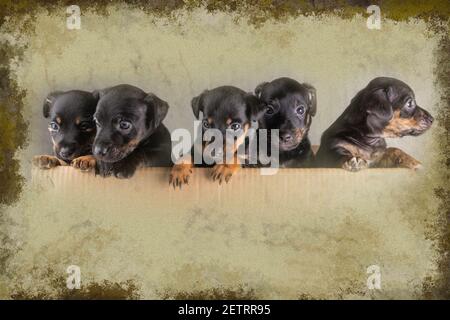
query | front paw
[355, 164]
[223, 172]
[47, 162]
[396, 158]
[84, 163]
[402, 159]
[180, 174]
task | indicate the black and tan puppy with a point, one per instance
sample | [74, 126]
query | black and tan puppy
[224, 108]
[290, 107]
[385, 108]
[130, 132]
[72, 129]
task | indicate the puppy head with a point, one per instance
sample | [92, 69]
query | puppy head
[71, 126]
[290, 107]
[125, 116]
[391, 109]
[228, 108]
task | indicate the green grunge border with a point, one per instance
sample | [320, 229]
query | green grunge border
[14, 128]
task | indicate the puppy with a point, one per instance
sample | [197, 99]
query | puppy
[72, 129]
[385, 108]
[290, 107]
[130, 132]
[224, 108]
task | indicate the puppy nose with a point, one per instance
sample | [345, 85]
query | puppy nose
[101, 150]
[430, 119]
[285, 137]
[66, 151]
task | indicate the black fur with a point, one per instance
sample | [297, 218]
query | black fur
[290, 107]
[130, 132]
[363, 125]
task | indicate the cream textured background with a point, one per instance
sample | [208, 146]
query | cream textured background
[293, 235]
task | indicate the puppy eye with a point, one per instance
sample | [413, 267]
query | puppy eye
[409, 104]
[206, 124]
[124, 125]
[54, 126]
[270, 110]
[85, 125]
[300, 110]
[235, 126]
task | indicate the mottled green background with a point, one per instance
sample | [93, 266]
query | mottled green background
[301, 234]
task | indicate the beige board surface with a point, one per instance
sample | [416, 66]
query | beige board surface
[299, 233]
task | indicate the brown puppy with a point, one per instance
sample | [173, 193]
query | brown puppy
[386, 108]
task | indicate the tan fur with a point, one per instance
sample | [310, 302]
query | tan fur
[396, 158]
[355, 151]
[299, 134]
[397, 125]
[84, 163]
[47, 162]
[224, 172]
[180, 174]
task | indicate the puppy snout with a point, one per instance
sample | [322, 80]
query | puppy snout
[67, 151]
[101, 150]
[429, 119]
[286, 137]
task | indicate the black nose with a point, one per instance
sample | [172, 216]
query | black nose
[101, 150]
[429, 119]
[66, 151]
[285, 137]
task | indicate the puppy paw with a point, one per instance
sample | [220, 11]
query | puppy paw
[180, 174]
[410, 163]
[223, 172]
[396, 158]
[355, 164]
[84, 163]
[47, 162]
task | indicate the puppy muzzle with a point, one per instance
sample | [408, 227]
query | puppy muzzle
[110, 153]
[290, 139]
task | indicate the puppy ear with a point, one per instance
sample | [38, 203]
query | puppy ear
[99, 93]
[49, 101]
[96, 94]
[255, 107]
[312, 98]
[197, 104]
[391, 94]
[156, 110]
[379, 109]
[259, 89]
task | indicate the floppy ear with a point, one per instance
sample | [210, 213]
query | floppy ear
[255, 107]
[312, 98]
[379, 108]
[48, 103]
[391, 94]
[98, 94]
[259, 89]
[156, 110]
[197, 104]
